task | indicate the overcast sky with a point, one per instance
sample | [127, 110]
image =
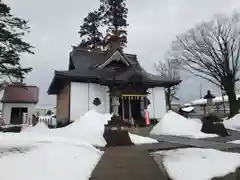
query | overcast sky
[153, 25]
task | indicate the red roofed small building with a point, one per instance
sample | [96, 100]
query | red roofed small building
[19, 103]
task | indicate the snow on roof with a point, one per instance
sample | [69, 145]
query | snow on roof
[217, 99]
[188, 109]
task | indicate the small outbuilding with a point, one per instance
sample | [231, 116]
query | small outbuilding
[19, 103]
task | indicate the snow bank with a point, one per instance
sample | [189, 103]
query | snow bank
[39, 127]
[199, 164]
[45, 158]
[233, 123]
[141, 140]
[89, 128]
[177, 125]
[187, 109]
[235, 142]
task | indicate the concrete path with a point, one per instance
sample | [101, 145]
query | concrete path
[200, 143]
[135, 163]
[234, 135]
[127, 163]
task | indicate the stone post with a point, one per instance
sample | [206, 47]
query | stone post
[115, 105]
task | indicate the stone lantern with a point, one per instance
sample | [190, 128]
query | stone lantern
[211, 123]
[209, 97]
[116, 132]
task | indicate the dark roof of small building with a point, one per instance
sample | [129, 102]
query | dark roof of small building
[19, 93]
[83, 68]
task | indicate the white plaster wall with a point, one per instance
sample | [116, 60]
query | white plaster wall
[157, 97]
[82, 96]
[79, 100]
[7, 107]
[97, 90]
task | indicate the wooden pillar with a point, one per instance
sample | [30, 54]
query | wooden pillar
[122, 108]
[129, 109]
[142, 105]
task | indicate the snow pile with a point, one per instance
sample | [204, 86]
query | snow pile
[66, 159]
[39, 127]
[177, 125]
[89, 128]
[141, 140]
[233, 123]
[187, 109]
[199, 164]
[235, 142]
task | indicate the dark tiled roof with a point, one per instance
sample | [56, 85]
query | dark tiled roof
[18, 93]
[108, 77]
[82, 68]
[84, 59]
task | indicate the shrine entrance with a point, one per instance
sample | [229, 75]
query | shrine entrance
[131, 102]
[132, 108]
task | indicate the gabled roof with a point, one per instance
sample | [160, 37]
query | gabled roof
[118, 56]
[83, 67]
[19, 93]
[84, 59]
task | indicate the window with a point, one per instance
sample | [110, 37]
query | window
[96, 101]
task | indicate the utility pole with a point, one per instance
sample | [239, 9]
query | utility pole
[200, 90]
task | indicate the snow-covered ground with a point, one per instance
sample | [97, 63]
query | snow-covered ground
[89, 128]
[64, 153]
[233, 123]
[235, 142]
[177, 125]
[45, 157]
[199, 164]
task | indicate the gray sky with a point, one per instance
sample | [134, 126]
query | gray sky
[153, 25]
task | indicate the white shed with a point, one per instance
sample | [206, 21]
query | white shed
[19, 103]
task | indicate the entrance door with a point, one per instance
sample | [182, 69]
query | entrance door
[124, 108]
[130, 108]
[17, 115]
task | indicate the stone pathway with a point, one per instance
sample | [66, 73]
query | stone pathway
[127, 163]
[135, 163]
[234, 135]
[199, 143]
[218, 143]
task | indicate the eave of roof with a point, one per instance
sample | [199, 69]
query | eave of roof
[103, 78]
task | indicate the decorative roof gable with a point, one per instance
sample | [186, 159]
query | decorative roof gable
[116, 56]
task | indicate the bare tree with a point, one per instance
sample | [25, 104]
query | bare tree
[211, 50]
[168, 70]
